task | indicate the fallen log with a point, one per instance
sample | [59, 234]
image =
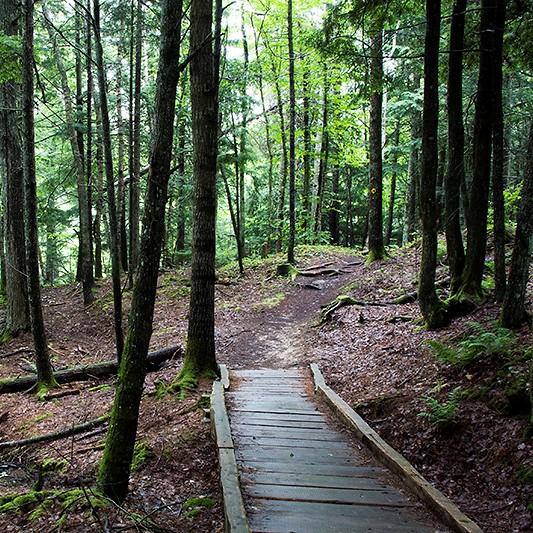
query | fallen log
[57, 435]
[88, 372]
[24, 349]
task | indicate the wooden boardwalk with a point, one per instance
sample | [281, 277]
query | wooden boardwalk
[299, 472]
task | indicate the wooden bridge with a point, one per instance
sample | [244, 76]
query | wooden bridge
[287, 465]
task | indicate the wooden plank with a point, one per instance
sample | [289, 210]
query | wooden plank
[290, 433]
[302, 467]
[368, 482]
[259, 373]
[296, 417]
[274, 411]
[287, 424]
[273, 454]
[234, 511]
[442, 506]
[224, 376]
[219, 417]
[280, 442]
[303, 517]
[266, 405]
[382, 498]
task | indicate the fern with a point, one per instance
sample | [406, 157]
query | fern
[442, 414]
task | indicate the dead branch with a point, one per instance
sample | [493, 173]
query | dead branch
[23, 349]
[88, 372]
[57, 435]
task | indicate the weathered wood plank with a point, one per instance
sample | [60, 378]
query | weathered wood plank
[280, 442]
[382, 498]
[282, 424]
[303, 467]
[313, 417]
[274, 411]
[291, 433]
[306, 517]
[272, 453]
[368, 482]
[219, 417]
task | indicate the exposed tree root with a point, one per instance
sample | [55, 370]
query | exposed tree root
[57, 435]
[88, 372]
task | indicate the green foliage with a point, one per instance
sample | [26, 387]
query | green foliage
[194, 506]
[442, 414]
[141, 453]
[483, 344]
[10, 55]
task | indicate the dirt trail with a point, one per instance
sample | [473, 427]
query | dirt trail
[276, 337]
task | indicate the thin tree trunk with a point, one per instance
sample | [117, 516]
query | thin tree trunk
[430, 305]
[498, 160]
[86, 267]
[180, 164]
[200, 351]
[306, 193]
[17, 310]
[45, 375]
[392, 196]
[412, 210]
[116, 462]
[114, 242]
[292, 140]
[376, 250]
[89, 153]
[479, 190]
[334, 209]
[323, 157]
[513, 309]
[456, 143]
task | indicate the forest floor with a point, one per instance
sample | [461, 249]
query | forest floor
[376, 357]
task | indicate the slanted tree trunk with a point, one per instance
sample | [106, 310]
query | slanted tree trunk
[85, 263]
[376, 250]
[200, 350]
[456, 146]
[292, 140]
[513, 309]
[115, 466]
[498, 160]
[17, 310]
[479, 190]
[45, 375]
[110, 180]
[430, 305]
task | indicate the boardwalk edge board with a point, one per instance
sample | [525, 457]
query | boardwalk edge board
[236, 520]
[441, 506]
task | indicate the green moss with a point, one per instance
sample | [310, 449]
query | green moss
[194, 506]
[141, 453]
[524, 475]
[375, 255]
[5, 336]
[103, 386]
[271, 301]
[36, 420]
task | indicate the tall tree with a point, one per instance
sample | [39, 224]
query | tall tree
[394, 174]
[376, 250]
[76, 146]
[292, 139]
[479, 191]
[513, 309]
[200, 351]
[110, 180]
[45, 375]
[432, 309]
[498, 154]
[456, 146]
[116, 462]
[11, 168]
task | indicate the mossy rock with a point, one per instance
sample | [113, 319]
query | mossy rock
[194, 506]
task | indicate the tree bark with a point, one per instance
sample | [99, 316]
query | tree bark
[324, 155]
[292, 139]
[110, 179]
[483, 123]
[430, 305]
[513, 309]
[17, 310]
[498, 160]
[376, 249]
[412, 203]
[45, 375]
[307, 155]
[115, 466]
[200, 351]
[392, 196]
[456, 145]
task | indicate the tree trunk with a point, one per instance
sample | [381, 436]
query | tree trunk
[483, 123]
[376, 250]
[306, 193]
[292, 140]
[110, 180]
[200, 351]
[115, 466]
[392, 197]
[45, 376]
[89, 153]
[498, 160]
[85, 263]
[180, 170]
[335, 207]
[18, 317]
[411, 206]
[456, 145]
[430, 306]
[513, 309]
[323, 157]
